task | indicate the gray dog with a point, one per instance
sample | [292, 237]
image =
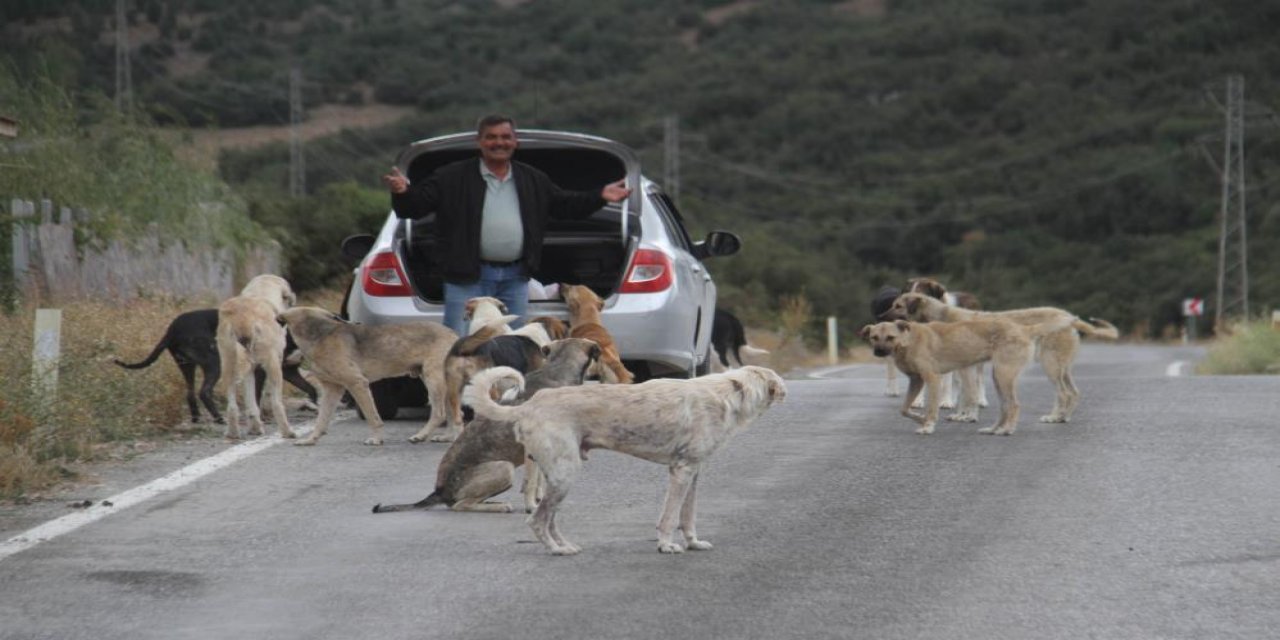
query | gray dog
[481, 463]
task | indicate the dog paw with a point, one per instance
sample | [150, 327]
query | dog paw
[669, 547]
[925, 430]
[373, 442]
[1053, 418]
[566, 550]
[963, 416]
[289, 435]
[417, 439]
[699, 545]
[443, 438]
[305, 442]
[996, 430]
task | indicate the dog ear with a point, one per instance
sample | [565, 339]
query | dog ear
[865, 333]
[280, 320]
[903, 326]
[546, 350]
[502, 306]
[469, 309]
[594, 351]
[913, 305]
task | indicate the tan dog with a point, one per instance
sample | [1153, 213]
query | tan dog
[481, 463]
[347, 357]
[478, 351]
[247, 329]
[951, 393]
[584, 322]
[677, 423]
[926, 351]
[1057, 351]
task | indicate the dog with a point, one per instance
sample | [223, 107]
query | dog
[191, 339]
[555, 327]
[677, 423]
[478, 351]
[347, 357]
[247, 329]
[728, 338]
[483, 311]
[481, 463]
[926, 351]
[934, 289]
[584, 322]
[1057, 351]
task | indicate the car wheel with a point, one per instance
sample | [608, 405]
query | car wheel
[640, 370]
[386, 397]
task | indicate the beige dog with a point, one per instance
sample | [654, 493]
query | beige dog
[1057, 351]
[346, 356]
[677, 423]
[483, 311]
[481, 463]
[247, 328]
[926, 351]
[584, 322]
[951, 391]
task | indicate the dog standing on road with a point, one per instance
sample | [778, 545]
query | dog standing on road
[729, 338]
[677, 423]
[481, 463]
[1057, 351]
[584, 322]
[479, 351]
[247, 328]
[927, 351]
[347, 357]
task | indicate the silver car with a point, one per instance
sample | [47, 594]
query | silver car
[659, 298]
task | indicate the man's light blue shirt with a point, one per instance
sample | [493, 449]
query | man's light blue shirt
[501, 230]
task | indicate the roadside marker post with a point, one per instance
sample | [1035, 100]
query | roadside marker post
[833, 339]
[1192, 308]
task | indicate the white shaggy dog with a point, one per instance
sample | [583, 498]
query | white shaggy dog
[679, 423]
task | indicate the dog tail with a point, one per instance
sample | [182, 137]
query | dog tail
[1097, 328]
[155, 353]
[422, 505]
[1042, 329]
[479, 394]
[467, 345]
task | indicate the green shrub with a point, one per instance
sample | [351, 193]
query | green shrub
[1253, 348]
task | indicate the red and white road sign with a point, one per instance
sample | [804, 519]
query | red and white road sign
[1193, 306]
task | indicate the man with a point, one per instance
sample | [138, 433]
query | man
[491, 213]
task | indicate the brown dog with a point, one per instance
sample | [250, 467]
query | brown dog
[584, 322]
[926, 351]
[347, 356]
[1057, 351]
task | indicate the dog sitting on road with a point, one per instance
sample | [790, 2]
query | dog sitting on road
[926, 351]
[248, 330]
[729, 338]
[478, 351]
[584, 322]
[1057, 351]
[191, 340]
[347, 357]
[481, 463]
[677, 423]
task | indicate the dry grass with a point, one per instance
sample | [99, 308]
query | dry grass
[1251, 348]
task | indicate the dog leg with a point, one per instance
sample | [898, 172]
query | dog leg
[932, 399]
[681, 478]
[330, 396]
[915, 384]
[275, 395]
[188, 370]
[533, 485]
[946, 391]
[1006, 380]
[980, 380]
[483, 482]
[254, 413]
[557, 459]
[211, 375]
[687, 515]
[1057, 351]
[364, 399]
[968, 411]
[891, 379]
[433, 380]
[228, 358]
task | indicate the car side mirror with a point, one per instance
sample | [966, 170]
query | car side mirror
[718, 244]
[356, 247]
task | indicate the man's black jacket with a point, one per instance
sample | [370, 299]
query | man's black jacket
[455, 193]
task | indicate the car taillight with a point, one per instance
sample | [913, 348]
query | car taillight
[650, 272]
[384, 277]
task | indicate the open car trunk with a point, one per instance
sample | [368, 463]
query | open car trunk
[594, 251]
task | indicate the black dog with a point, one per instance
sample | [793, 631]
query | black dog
[191, 340]
[883, 301]
[728, 336]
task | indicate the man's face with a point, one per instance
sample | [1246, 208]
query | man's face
[498, 143]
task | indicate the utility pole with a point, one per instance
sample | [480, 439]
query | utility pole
[124, 76]
[1233, 264]
[297, 159]
[671, 157]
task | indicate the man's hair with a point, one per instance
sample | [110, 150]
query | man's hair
[493, 120]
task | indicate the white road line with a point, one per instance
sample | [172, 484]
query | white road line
[825, 373]
[120, 501]
[1175, 368]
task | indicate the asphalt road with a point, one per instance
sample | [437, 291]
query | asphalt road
[1154, 514]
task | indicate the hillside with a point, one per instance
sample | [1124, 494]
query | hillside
[1030, 151]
